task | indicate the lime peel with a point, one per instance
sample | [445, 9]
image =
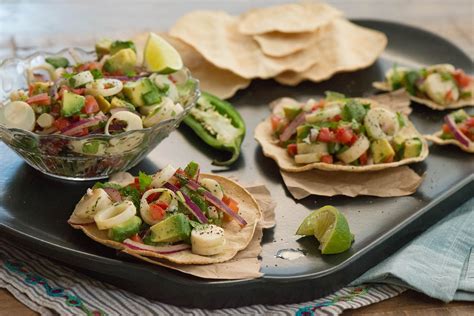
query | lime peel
[331, 229]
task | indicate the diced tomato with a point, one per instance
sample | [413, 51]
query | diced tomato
[336, 118]
[325, 135]
[275, 122]
[156, 212]
[88, 66]
[461, 78]
[389, 159]
[136, 238]
[318, 105]
[446, 128]
[327, 159]
[292, 150]
[449, 95]
[232, 204]
[469, 122]
[83, 132]
[363, 159]
[162, 204]
[353, 139]
[30, 90]
[153, 197]
[344, 135]
[39, 99]
[181, 172]
[61, 123]
[91, 105]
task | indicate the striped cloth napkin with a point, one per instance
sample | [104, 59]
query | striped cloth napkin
[50, 288]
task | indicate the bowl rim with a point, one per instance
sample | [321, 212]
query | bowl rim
[145, 130]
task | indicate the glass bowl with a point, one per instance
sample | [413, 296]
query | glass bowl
[89, 157]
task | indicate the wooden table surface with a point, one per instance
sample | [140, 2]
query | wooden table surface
[52, 24]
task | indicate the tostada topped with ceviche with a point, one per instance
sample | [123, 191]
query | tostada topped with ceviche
[457, 130]
[439, 87]
[339, 133]
[180, 215]
[110, 95]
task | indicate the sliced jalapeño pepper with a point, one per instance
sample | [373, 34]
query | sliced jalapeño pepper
[219, 125]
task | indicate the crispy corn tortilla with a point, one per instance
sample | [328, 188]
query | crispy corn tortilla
[287, 18]
[342, 47]
[435, 138]
[227, 84]
[236, 238]
[215, 36]
[384, 86]
[278, 44]
[263, 135]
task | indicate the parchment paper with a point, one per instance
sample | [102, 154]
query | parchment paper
[397, 181]
[245, 265]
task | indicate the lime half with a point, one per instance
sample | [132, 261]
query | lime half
[330, 228]
[160, 56]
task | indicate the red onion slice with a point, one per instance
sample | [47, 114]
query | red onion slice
[192, 206]
[158, 249]
[456, 132]
[77, 127]
[114, 194]
[291, 128]
[193, 185]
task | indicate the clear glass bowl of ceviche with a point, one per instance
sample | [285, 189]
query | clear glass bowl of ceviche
[81, 115]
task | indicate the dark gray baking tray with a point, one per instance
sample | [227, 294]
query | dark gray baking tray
[34, 208]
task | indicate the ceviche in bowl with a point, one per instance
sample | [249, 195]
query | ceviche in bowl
[85, 115]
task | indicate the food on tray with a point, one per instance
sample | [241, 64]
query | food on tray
[183, 216]
[439, 87]
[339, 133]
[330, 228]
[218, 124]
[109, 96]
[291, 42]
[458, 130]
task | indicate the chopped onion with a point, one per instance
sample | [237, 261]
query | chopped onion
[193, 185]
[291, 128]
[191, 205]
[158, 249]
[456, 132]
[356, 150]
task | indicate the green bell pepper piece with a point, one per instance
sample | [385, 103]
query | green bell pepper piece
[209, 136]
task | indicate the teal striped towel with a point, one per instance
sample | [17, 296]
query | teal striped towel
[439, 263]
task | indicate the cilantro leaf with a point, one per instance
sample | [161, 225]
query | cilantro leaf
[144, 180]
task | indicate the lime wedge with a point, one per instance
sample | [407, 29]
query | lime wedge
[330, 228]
[160, 56]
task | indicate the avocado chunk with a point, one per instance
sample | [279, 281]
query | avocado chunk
[136, 90]
[381, 150]
[123, 61]
[102, 47]
[57, 62]
[172, 229]
[72, 104]
[119, 103]
[412, 148]
[119, 45]
[125, 230]
[292, 111]
[303, 131]
[459, 116]
[104, 105]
